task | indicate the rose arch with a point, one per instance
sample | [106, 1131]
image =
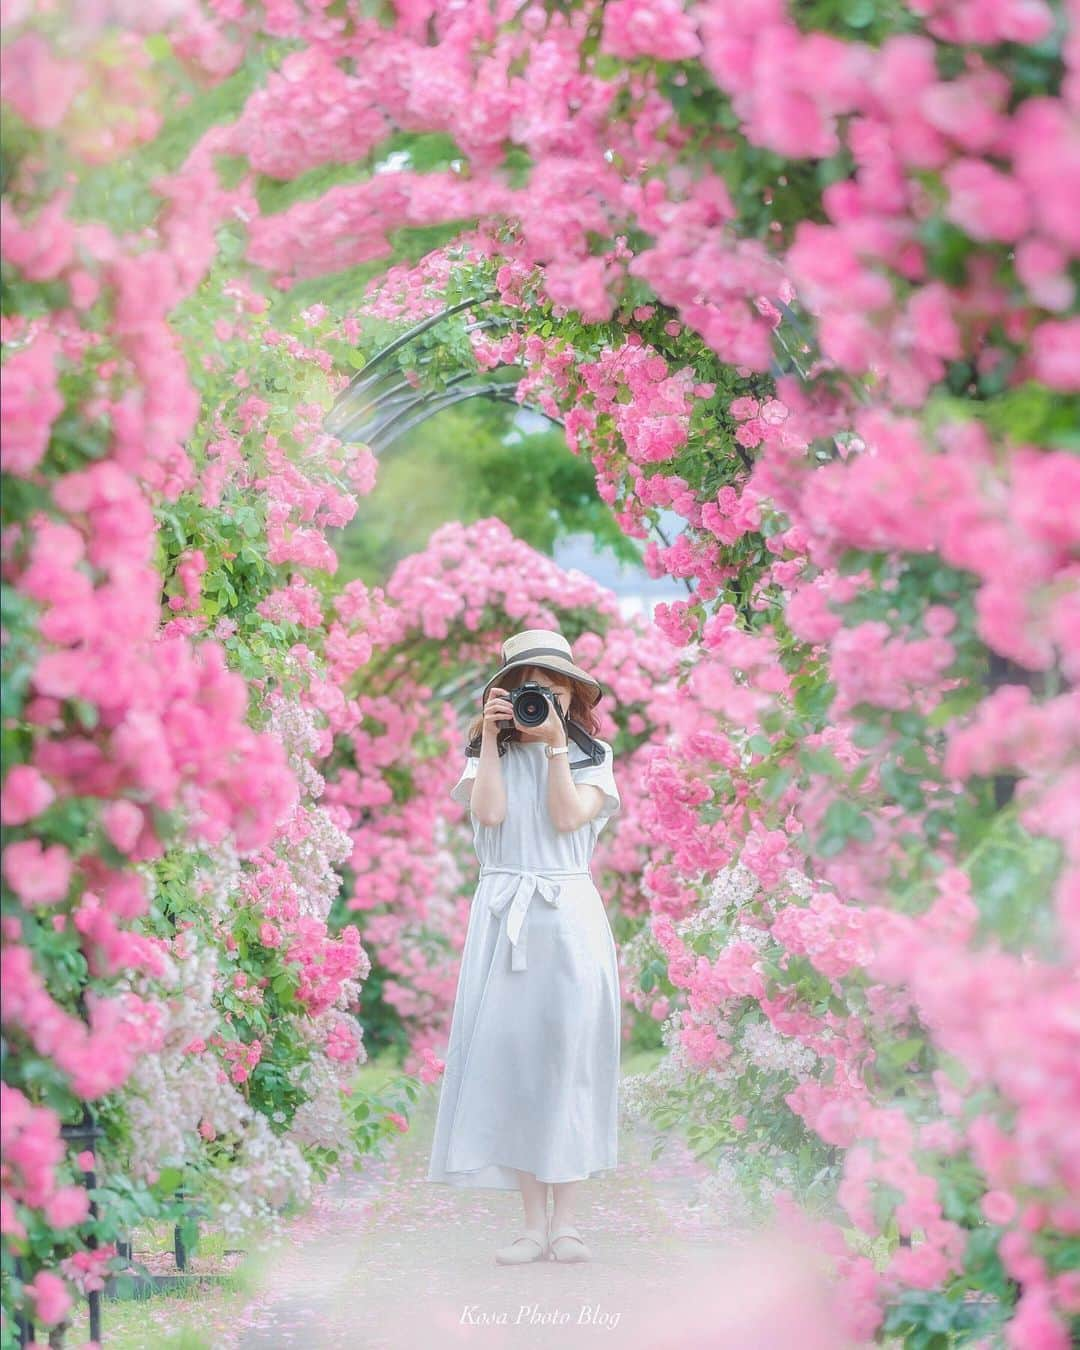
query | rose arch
[803, 275]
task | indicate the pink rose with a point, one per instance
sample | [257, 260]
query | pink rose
[69, 1206]
[939, 620]
[269, 935]
[123, 822]
[25, 795]
[1043, 267]
[656, 28]
[32, 403]
[38, 876]
[999, 1207]
[44, 247]
[744, 407]
[1055, 354]
[986, 203]
[921, 1267]
[430, 1066]
[1035, 1324]
[37, 84]
[51, 1297]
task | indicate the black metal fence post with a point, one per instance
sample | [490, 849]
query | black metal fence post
[85, 1135]
[22, 1319]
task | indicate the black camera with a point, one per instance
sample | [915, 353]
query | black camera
[531, 702]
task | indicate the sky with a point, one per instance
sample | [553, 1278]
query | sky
[637, 592]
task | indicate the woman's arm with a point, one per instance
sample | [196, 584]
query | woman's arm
[488, 802]
[570, 805]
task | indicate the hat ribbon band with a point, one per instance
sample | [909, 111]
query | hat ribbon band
[539, 651]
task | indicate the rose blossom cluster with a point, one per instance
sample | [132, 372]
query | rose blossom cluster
[936, 264]
[407, 894]
[940, 252]
[908, 669]
[134, 740]
[836, 471]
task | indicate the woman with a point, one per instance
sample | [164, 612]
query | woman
[529, 1098]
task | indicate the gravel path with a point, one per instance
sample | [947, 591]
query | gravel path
[389, 1261]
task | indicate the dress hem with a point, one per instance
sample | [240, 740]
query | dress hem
[466, 1177]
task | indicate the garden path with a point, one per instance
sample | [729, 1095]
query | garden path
[390, 1261]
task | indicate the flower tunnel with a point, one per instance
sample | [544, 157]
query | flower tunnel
[804, 276]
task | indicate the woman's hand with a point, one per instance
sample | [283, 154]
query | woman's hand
[488, 800]
[552, 730]
[498, 708]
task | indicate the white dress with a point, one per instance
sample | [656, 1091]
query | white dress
[532, 1064]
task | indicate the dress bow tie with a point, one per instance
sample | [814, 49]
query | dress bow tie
[516, 893]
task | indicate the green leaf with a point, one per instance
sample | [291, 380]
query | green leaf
[859, 13]
[169, 1179]
[868, 734]
[818, 760]
[899, 1054]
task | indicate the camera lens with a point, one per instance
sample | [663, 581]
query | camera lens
[530, 707]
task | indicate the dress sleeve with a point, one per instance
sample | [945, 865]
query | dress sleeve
[603, 776]
[462, 789]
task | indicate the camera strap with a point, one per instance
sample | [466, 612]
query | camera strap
[588, 745]
[592, 749]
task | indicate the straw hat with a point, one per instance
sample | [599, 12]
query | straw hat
[545, 648]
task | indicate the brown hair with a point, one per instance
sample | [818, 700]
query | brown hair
[580, 711]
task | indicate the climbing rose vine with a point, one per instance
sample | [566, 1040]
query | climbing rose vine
[805, 275]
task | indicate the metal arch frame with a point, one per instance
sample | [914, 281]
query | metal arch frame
[338, 421]
[358, 411]
[377, 410]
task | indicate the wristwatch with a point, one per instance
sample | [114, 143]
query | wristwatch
[552, 750]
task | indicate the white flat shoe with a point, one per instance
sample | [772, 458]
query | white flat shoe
[566, 1244]
[531, 1245]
